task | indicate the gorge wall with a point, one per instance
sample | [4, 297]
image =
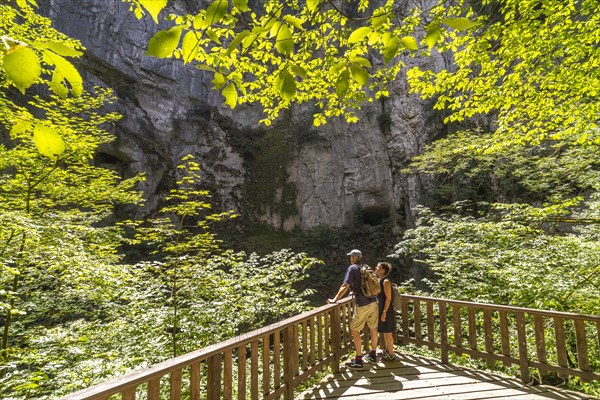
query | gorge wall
[289, 175]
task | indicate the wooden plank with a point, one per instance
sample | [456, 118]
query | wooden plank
[430, 323]
[320, 337]
[175, 387]
[304, 345]
[487, 330]
[443, 332]
[228, 374]
[472, 328]
[313, 328]
[277, 358]
[214, 377]
[194, 381]
[241, 351]
[254, 370]
[540, 340]
[582, 347]
[417, 313]
[154, 389]
[405, 318]
[561, 348]
[266, 364]
[522, 341]
[504, 336]
[290, 346]
[327, 333]
[336, 339]
[129, 393]
[457, 323]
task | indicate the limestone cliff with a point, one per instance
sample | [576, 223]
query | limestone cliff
[288, 175]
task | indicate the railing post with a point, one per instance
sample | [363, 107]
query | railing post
[443, 332]
[214, 377]
[404, 321]
[336, 339]
[290, 351]
[522, 340]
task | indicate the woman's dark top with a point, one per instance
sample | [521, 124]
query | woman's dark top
[389, 326]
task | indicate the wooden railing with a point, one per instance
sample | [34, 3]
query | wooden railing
[265, 364]
[549, 341]
[271, 362]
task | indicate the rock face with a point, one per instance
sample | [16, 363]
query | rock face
[287, 176]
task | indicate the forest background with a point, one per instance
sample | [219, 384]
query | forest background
[511, 216]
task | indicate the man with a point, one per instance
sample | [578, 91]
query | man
[366, 311]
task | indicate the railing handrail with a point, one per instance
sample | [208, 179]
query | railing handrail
[497, 307]
[334, 320]
[113, 386]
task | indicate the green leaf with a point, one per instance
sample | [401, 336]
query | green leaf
[65, 76]
[299, 71]
[216, 11]
[22, 66]
[237, 40]
[48, 141]
[163, 43]
[460, 24]
[432, 36]
[312, 5]
[362, 61]
[390, 49]
[241, 5]
[342, 84]
[284, 42]
[190, 46]
[57, 47]
[20, 127]
[230, 94]
[154, 7]
[213, 35]
[409, 42]
[359, 34]
[218, 80]
[286, 85]
[291, 20]
[274, 29]
[359, 74]
[379, 19]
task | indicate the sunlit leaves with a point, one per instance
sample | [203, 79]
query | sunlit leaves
[432, 36]
[409, 42]
[285, 85]
[359, 34]
[163, 43]
[391, 46]
[216, 11]
[284, 43]
[48, 141]
[230, 94]
[154, 7]
[65, 77]
[359, 74]
[22, 66]
[460, 24]
[190, 46]
[241, 5]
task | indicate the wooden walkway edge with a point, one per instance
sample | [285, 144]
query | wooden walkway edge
[415, 377]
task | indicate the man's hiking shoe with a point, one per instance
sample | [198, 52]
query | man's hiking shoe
[371, 357]
[354, 364]
[388, 358]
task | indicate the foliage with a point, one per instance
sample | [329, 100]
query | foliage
[507, 257]
[279, 52]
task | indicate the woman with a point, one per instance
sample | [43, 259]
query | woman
[387, 317]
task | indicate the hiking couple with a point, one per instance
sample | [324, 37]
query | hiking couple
[376, 312]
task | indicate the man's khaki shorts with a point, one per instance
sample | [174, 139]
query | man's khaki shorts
[366, 314]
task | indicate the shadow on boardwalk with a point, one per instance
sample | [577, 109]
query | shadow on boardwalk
[413, 377]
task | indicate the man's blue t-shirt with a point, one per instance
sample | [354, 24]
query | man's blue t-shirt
[352, 278]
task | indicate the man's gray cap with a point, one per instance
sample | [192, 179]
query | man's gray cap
[355, 253]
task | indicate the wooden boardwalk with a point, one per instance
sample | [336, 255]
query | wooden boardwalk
[414, 377]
